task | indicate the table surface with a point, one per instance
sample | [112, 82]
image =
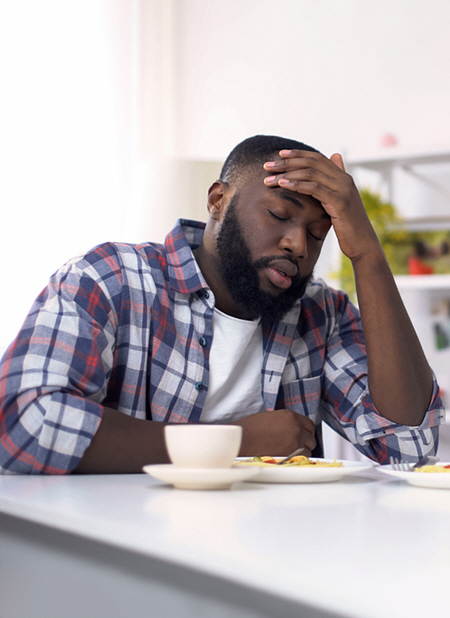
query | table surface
[366, 546]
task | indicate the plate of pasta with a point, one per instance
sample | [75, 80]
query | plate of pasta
[436, 476]
[301, 469]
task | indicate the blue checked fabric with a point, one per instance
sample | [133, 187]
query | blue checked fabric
[130, 327]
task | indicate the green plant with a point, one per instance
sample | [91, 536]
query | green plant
[390, 231]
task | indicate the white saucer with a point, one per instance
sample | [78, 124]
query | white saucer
[199, 478]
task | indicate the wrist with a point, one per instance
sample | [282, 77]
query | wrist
[372, 256]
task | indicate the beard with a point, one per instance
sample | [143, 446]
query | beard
[240, 274]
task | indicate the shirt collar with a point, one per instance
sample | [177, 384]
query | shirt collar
[184, 273]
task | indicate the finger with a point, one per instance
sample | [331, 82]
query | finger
[308, 439]
[327, 173]
[338, 160]
[302, 159]
[328, 190]
[324, 190]
[306, 423]
[289, 154]
[309, 444]
[297, 159]
[312, 155]
[308, 175]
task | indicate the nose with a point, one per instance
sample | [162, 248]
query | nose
[295, 243]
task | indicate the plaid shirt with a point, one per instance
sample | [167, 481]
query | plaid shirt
[130, 327]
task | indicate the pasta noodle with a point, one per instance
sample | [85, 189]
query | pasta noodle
[299, 460]
[433, 469]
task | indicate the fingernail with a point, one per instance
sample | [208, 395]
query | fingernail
[285, 182]
[285, 152]
[270, 164]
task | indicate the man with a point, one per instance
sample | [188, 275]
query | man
[222, 323]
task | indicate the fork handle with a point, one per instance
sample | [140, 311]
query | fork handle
[296, 452]
[426, 461]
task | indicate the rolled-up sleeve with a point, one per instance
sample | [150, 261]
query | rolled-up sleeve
[349, 409]
[54, 375]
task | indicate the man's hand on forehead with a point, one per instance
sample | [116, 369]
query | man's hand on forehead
[309, 173]
[325, 179]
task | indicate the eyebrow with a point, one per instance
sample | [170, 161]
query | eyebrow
[285, 194]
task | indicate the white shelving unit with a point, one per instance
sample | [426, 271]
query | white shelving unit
[429, 170]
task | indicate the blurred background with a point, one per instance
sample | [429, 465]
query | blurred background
[116, 116]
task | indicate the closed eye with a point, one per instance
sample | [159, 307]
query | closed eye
[277, 217]
[315, 237]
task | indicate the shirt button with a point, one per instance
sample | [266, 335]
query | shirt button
[199, 386]
[202, 341]
[206, 295]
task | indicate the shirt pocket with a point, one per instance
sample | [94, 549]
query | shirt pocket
[303, 396]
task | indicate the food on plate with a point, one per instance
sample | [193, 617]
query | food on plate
[433, 468]
[299, 460]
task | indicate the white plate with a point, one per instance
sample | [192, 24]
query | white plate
[437, 480]
[307, 474]
[199, 478]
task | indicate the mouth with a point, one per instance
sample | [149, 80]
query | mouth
[281, 272]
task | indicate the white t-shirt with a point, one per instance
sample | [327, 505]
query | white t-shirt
[235, 369]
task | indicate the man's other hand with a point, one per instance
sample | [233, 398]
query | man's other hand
[278, 432]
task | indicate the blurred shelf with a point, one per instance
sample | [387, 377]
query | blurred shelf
[426, 224]
[431, 168]
[403, 159]
[422, 282]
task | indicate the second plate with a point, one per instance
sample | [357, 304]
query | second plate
[306, 474]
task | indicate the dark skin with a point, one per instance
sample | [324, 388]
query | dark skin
[288, 211]
[400, 379]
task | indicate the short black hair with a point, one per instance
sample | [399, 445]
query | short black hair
[253, 152]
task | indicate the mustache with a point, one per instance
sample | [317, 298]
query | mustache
[266, 261]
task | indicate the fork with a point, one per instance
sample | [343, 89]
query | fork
[402, 466]
[296, 452]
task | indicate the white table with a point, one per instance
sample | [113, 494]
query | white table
[129, 546]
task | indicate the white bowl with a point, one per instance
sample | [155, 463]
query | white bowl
[203, 446]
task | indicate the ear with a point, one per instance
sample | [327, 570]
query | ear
[218, 198]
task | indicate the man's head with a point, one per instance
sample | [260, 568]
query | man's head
[247, 158]
[263, 241]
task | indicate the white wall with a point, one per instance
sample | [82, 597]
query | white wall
[115, 114]
[66, 139]
[336, 74]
